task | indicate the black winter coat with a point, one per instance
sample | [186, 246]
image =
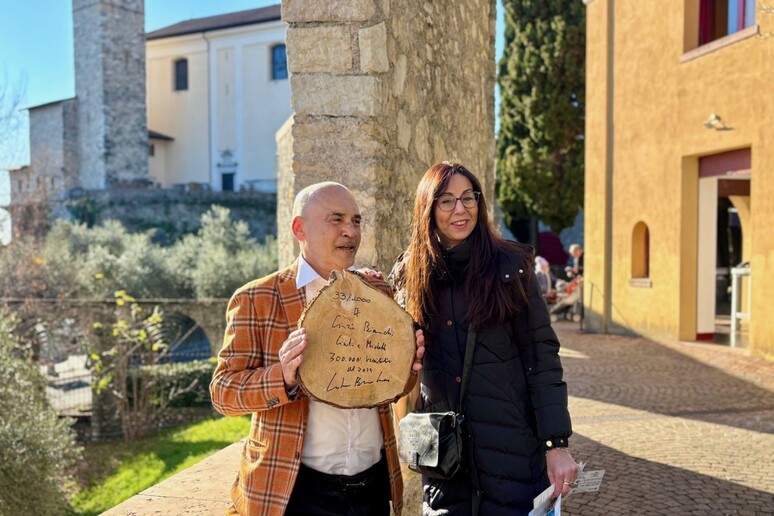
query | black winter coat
[516, 399]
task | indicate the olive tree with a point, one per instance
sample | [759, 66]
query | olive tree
[37, 447]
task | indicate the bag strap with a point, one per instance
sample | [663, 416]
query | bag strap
[467, 366]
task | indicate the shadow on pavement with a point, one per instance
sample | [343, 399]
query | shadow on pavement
[635, 486]
[642, 374]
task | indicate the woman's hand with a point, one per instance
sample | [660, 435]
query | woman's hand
[562, 471]
[371, 272]
[420, 341]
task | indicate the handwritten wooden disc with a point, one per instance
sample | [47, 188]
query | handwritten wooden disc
[361, 345]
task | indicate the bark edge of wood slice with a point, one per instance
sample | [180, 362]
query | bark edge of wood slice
[360, 344]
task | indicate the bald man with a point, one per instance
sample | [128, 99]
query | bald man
[302, 456]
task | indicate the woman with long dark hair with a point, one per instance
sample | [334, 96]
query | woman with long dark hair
[459, 274]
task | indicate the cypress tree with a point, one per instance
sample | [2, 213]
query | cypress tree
[540, 143]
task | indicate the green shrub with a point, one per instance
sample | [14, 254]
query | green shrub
[79, 261]
[100, 260]
[130, 366]
[222, 256]
[22, 270]
[195, 372]
[37, 448]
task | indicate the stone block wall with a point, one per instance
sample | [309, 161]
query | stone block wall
[381, 90]
[47, 147]
[54, 148]
[285, 191]
[171, 213]
[109, 45]
[70, 144]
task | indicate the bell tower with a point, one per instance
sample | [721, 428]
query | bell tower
[109, 42]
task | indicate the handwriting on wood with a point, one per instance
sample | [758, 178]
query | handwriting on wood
[361, 345]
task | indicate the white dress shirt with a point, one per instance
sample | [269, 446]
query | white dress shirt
[337, 441]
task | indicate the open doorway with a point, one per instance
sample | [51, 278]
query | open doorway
[724, 193]
[733, 214]
[729, 253]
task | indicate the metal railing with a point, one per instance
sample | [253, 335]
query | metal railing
[737, 273]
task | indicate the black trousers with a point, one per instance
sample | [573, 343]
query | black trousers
[321, 494]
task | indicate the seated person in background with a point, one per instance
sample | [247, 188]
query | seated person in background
[576, 251]
[543, 272]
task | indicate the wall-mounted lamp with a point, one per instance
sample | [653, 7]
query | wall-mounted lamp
[715, 122]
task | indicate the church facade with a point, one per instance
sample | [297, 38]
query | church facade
[217, 92]
[194, 105]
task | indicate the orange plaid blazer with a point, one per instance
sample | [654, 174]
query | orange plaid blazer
[248, 379]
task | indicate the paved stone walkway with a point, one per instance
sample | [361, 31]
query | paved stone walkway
[680, 428]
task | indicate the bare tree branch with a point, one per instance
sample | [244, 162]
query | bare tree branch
[11, 120]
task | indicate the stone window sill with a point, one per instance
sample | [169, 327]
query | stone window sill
[640, 283]
[719, 43]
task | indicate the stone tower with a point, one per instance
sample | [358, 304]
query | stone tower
[109, 41]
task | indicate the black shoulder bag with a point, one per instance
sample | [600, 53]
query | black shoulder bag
[431, 443]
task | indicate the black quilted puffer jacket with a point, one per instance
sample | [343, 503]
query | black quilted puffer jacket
[516, 399]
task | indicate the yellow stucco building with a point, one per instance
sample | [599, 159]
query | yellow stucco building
[679, 181]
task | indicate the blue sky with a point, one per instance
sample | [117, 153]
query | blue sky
[36, 49]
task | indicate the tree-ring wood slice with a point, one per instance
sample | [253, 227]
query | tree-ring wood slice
[360, 345]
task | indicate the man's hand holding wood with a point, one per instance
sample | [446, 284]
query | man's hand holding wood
[290, 356]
